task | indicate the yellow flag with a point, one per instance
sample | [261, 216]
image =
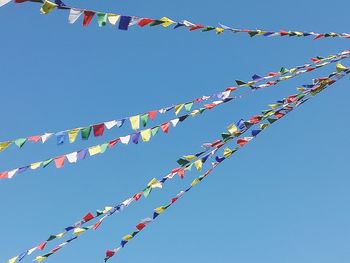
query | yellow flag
[232, 129]
[107, 208]
[227, 152]
[189, 157]
[146, 135]
[94, 150]
[127, 237]
[135, 122]
[113, 18]
[219, 30]
[194, 113]
[301, 89]
[178, 108]
[195, 181]
[160, 209]
[72, 134]
[47, 7]
[167, 21]
[154, 183]
[34, 166]
[39, 258]
[13, 260]
[4, 145]
[285, 77]
[274, 106]
[60, 235]
[78, 231]
[198, 164]
[264, 125]
[340, 67]
[292, 70]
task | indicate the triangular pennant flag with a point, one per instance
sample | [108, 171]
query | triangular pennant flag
[20, 142]
[85, 133]
[88, 15]
[155, 130]
[101, 19]
[47, 162]
[45, 137]
[125, 139]
[110, 124]
[41, 246]
[78, 231]
[152, 114]
[174, 122]
[104, 147]
[188, 106]
[88, 217]
[135, 122]
[98, 129]
[72, 135]
[198, 164]
[94, 150]
[59, 161]
[4, 145]
[178, 108]
[232, 129]
[167, 21]
[144, 119]
[113, 19]
[4, 2]
[165, 127]
[47, 7]
[36, 165]
[146, 135]
[74, 14]
[13, 260]
[340, 67]
[12, 173]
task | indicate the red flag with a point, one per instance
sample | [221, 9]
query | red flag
[145, 21]
[152, 115]
[137, 196]
[241, 142]
[4, 175]
[318, 36]
[59, 161]
[42, 246]
[165, 127]
[34, 139]
[209, 106]
[97, 224]
[310, 69]
[181, 173]
[109, 253]
[113, 143]
[88, 217]
[140, 226]
[98, 129]
[196, 27]
[230, 89]
[88, 15]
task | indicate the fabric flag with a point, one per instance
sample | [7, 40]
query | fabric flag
[124, 22]
[4, 2]
[155, 130]
[72, 135]
[165, 127]
[19, 142]
[101, 19]
[88, 15]
[59, 161]
[232, 129]
[188, 106]
[178, 108]
[45, 137]
[36, 165]
[98, 129]
[152, 115]
[113, 19]
[72, 157]
[144, 119]
[198, 164]
[13, 260]
[167, 21]
[94, 150]
[340, 67]
[47, 7]
[85, 133]
[146, 135]
[125, 139]
[135, 122]
[74, 14]
[4, 145]
[110, 124]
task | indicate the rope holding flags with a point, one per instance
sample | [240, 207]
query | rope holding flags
[126, 21]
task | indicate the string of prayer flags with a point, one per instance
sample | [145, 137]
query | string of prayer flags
[154, 183]
[126, 21]
[227, 153]
[99, 128]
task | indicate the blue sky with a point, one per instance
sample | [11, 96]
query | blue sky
[283, 198]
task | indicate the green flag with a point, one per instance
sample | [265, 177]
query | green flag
[85, 133]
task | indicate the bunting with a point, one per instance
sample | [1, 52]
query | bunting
[286, 106]
[99, 128]
[126, 21]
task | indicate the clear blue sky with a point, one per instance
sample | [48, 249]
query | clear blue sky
[284, 198]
